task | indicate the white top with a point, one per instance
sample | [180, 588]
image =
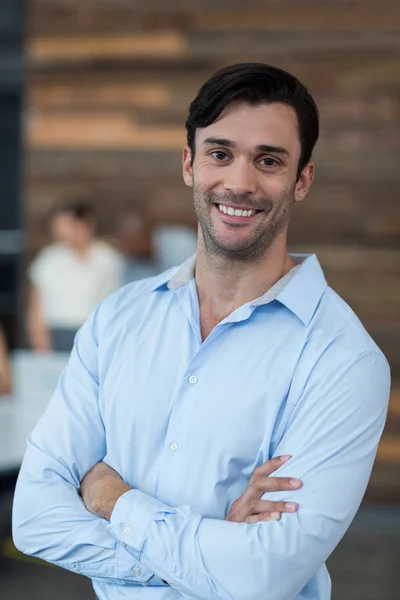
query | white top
[70, 286]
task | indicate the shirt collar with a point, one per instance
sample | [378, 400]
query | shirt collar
[300, 290]
[304, 291]
[176, 277]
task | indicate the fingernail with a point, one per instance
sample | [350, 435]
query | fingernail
[275, 515]
[290, 505]
[295, 483]
[285, 457]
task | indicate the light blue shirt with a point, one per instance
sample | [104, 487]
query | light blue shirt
[186, 422]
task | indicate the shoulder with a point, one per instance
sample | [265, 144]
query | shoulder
[341, 326]
[50, 252]
[338, 351]
[47, 257]
[131, 302]
[105, 253]
[341, 372]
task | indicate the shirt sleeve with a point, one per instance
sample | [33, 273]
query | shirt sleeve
[50, 520]
[332, 435]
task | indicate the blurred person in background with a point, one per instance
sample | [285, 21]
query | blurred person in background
[148, 250]
[173, 243]
[133, 238]
[5, 367]
[150, 471]
[69, 277]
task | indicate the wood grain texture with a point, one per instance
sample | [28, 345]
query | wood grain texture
[108, 91]
[62, 16]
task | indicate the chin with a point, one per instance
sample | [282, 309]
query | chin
[233, 251]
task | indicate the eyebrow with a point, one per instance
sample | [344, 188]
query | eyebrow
[261, 148]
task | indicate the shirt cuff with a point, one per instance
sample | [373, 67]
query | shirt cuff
[131, 517]
[128, 568]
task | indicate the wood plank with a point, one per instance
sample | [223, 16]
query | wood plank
[384, 485]
[394, 404]
[342, 15]
[106, 94]
[243, 46]
[348, 213]
[355, 259]
[101, 130]
[304, 16]
[70, 48]
[389, 450]
[231, 47]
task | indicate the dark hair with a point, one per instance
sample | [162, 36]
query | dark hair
[77, 208]
[255, 83]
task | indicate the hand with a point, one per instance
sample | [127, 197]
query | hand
[250, 509]
[100, 489]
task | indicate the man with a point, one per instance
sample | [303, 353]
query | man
[69, 277]
[185, 392]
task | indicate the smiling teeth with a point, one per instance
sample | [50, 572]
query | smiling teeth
[235, 212]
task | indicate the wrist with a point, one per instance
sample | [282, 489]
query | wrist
[105, 496]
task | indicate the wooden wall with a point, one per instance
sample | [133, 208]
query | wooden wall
[109, 85]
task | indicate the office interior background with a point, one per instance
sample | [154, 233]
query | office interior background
[93, 100]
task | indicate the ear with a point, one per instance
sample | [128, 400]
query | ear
[187, 166]
[304, 183]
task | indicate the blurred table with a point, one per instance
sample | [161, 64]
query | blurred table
[35, 379]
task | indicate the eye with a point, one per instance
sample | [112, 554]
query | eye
[268, 162]
[219, 155]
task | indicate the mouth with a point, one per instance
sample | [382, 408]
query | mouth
[237, 214]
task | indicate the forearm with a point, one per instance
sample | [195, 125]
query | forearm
[39, 337]
[5, 369]
[38, 332]
[51, 522]
[207, 558]
[5, 376]
[139, 519]
[211, 559]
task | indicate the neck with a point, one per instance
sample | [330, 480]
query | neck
[83, 250]
[224, 284]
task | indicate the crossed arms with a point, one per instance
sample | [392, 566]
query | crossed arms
[339, 422]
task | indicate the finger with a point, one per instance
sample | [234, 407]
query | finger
[271, 465]
[274, 516]
[265, 506]
[277, 484]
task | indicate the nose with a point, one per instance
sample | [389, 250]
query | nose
[240, 178]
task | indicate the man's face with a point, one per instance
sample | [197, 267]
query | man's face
[246, 161]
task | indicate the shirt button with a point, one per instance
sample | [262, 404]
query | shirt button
[127, 530]
[137, 572]
[193, 379]
[173, 447]
[122, 544]
[178, 575]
